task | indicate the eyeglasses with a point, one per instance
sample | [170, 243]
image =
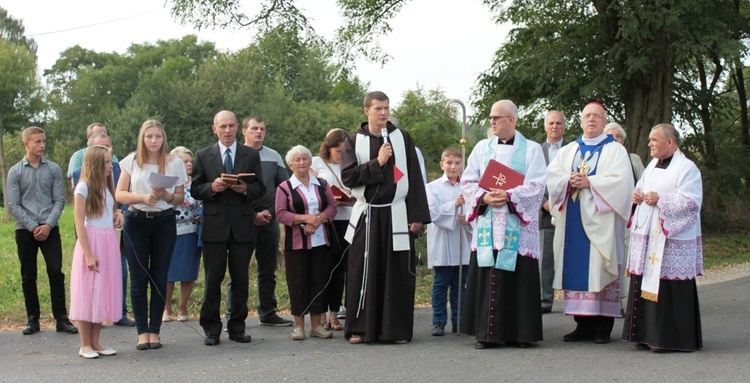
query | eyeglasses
[495, 118]
[590, 115]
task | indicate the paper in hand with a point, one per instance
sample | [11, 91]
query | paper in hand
[162, 181]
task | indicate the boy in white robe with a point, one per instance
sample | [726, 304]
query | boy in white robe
[448, 239]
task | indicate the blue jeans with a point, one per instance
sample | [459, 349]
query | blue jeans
[446, 278]
[149, 243]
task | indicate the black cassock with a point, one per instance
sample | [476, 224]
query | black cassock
[388, 312]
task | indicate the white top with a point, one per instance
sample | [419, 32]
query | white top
[105, 220]
[318, 238]
[317, 164]
[332, 174]
[445, 246]
[139, 179]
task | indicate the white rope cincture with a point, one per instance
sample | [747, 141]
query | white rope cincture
[365, 271]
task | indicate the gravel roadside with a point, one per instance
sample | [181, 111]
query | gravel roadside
[724, 274]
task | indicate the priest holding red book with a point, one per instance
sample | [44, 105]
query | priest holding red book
[502, 292]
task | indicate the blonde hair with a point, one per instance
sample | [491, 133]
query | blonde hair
[450, 151]
[140, 151]
[179, 150]
[30, 131]
[94, 174]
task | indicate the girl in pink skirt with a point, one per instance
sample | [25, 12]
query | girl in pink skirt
[96, 272]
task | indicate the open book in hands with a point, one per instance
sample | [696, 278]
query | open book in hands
[234, 179]
[340, 194]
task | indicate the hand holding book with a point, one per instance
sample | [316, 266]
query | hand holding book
[340, 194]
[234, 179]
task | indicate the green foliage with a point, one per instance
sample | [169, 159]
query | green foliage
[19, 86]
[424, 115]
[285, 77]
[12, 30]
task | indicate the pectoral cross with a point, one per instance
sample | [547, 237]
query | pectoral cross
[583, 168]
[653, 258]
[500, 179]
[484, 235]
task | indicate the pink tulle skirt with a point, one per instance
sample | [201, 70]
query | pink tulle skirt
[96, 297]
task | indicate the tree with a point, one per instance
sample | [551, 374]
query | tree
[423, 114]
[122, 90]
[12, 30]
[21, 96]
[560, 55]
[286, 77]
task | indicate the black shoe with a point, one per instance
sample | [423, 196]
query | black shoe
[32, 326]
[484, 345]
[546, 310]
[275, 321]
[64, 325]
[454, 328]
[142, 346]
[125, 322]
[602, 338]
[660, 350]
[578, 335]
[438, 329]
[240, 337]
[518, 344]
[212, 340]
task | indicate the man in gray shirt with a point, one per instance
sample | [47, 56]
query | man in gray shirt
[36, 200]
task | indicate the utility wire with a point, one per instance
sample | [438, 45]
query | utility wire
[96, 24]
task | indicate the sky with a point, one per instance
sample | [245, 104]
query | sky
[435, 44]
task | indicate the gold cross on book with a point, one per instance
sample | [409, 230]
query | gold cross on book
[500, 179]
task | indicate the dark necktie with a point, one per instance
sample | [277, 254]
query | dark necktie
[228, 161]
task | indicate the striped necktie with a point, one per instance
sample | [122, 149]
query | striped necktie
[228, 161]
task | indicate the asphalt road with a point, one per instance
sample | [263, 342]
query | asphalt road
[272, 356]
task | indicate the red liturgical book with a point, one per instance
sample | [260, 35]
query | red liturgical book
[499, 176]
[339, 194]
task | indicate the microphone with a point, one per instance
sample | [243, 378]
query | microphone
[384, 133]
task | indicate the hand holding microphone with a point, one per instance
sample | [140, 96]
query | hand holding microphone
[385, 150]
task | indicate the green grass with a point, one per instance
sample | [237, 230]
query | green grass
[723, 250]
[719, 251]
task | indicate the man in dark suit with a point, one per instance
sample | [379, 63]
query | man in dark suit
[554, 125]
[228, 230]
